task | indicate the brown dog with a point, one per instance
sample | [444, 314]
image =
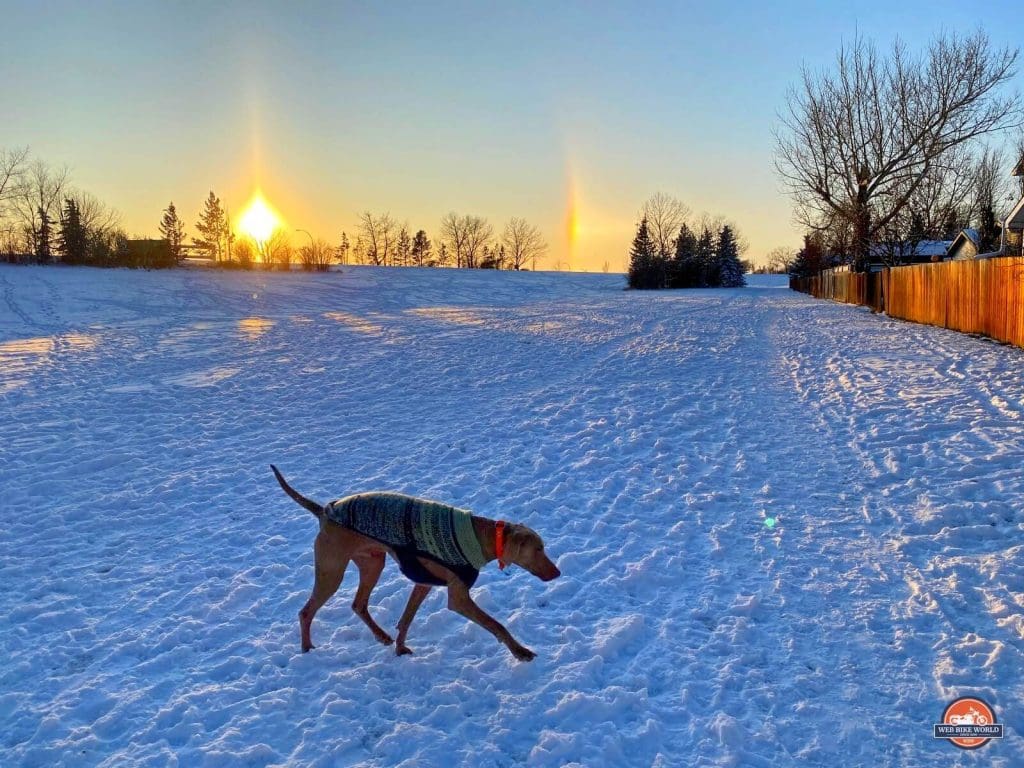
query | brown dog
[364, 528]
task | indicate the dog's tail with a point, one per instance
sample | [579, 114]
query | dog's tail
[312, 506]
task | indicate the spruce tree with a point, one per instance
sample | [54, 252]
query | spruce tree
[173, 230]
[707, 259]
[988, 229]
[73, 240]
[403, 248]
[43, 235]
[212, 227]
[642, 258]
[730, 269]
[684, 269]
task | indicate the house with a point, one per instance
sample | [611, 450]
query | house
[966, 245]
[1013, 224]
[906, 252]
[1012, 243]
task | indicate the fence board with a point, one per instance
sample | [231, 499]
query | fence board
[983, 296]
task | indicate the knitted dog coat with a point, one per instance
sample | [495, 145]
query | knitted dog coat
[413, 528]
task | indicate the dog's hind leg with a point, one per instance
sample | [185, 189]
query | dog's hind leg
[329, 565]
[370, 566]
[419, 593]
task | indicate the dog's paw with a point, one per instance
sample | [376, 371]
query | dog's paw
[308, 648]
[523, 653]
[384, 638]
[403, 650]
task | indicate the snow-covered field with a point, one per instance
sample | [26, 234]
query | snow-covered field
[152, 569]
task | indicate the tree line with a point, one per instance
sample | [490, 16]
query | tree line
[464, 241]
[44, 217]
[669, 251]
[886, 150]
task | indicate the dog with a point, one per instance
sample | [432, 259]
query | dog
[434, 545]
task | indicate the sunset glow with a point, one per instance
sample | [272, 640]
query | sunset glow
[259, 220]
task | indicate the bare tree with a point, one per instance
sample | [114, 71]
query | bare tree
[479, 233]
[379, 237]
[856, 144]
[13, 166]
[522, 241]
[779, 259]
[245, 251]
[444, 257]
[38, 205]
[665, 216]
[97, 217]
[276, 251]
[453, 237]
[316, 256]
[465, 237]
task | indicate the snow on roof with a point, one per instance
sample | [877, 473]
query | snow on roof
[922, 248]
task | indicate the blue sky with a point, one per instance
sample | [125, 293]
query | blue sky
[495, 109]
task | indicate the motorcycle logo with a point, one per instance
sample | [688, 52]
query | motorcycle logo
[969, 723]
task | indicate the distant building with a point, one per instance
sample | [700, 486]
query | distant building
[965, 246]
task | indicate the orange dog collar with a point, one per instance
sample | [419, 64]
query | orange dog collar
[499, 543]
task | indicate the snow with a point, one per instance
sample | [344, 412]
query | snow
[152, 568]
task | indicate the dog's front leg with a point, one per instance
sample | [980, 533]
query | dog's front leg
[419, 593]
[460, 601]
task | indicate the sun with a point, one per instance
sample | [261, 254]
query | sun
[259, 220]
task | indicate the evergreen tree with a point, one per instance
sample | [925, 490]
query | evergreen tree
[643, 256]
[403, 249]
[173, 230]
[988, 229]
[810, 259]
[420, 249]
[684, 268]
[227, 236]
[212, 228]
[730, 269]
[707, 259]
[343, 249]
[73, 238]
[43, 235]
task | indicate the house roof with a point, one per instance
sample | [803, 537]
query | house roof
[923, 249]
[932, 247]
[966, 234]
[1016, 218]
[1018, 169]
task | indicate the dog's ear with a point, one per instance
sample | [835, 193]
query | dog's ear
[513, 542]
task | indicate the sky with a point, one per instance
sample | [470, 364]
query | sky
[569, 115]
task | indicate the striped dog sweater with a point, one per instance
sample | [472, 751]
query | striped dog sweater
[412, 528]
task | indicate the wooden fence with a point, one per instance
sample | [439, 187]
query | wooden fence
[983, 296]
